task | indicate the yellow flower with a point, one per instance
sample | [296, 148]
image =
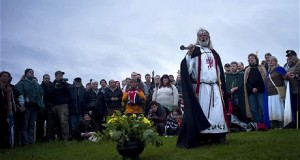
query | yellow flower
[146, 121]
[112, 120]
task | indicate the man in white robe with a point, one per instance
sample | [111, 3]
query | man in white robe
[205, 72]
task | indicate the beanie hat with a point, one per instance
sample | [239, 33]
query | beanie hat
[94, 81]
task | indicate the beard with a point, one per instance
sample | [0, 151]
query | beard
[252, 63]
[204, 43]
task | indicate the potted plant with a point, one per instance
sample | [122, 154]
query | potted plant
[131, 132]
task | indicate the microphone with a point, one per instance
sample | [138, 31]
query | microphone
[182, 47]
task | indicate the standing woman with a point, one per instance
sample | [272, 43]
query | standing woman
[7, 107]
[276, 92]
[30, 100]
[166, 94]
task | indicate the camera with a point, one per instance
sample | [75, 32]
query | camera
[61, 83]
[151, 114]
[64, 79]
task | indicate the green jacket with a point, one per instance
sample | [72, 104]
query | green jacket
[31, 91]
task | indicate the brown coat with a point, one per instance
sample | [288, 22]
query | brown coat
[277, 79]
[293, 81]
[263, 74]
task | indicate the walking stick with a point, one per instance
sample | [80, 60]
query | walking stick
[297, 112]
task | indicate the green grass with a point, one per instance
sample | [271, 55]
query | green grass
[270, 145]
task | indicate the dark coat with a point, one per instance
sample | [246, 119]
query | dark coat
[58, 93]
[160, 115]
[91, 100]
[78, 100]
[101, 108]
[255, 80]
[45, 89]
[110, 94]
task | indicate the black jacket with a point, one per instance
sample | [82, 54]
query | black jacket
[45, 89]
[58, 93]
[91, 100]
[101, 108]
[255, 80]
[78, 99]
[160, 116]
[109, 94]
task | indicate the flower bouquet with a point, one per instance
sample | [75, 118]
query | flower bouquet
[129, 130]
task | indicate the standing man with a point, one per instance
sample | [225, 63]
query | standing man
[113, 98]
[227, 69]
[202, 71]
[293, 76]
[241, 67]
[92, 94]
[59, 96]
[140, 85]
[267, 59]
[254, 78]
[42, 115]
[77, 104]
[156, 81]
[235, 91]
[172, 79]
[103, 85]
[148, 84]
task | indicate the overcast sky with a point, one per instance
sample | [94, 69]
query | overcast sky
[111, 38]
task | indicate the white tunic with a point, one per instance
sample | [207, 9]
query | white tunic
[276, 108]
[210, 102]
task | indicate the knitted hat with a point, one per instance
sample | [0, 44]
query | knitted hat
[94, 81]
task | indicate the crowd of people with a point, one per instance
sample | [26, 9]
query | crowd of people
[257, 93]
[197, 106]
[58, 110]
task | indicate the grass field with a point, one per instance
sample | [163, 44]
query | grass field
[269, 145]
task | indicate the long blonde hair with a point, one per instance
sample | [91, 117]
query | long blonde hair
[276, 63]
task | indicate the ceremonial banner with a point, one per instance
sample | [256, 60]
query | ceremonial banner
[288, 118]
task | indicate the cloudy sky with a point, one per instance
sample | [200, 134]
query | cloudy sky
[110, 39]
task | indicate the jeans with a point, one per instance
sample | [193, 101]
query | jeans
[256, 106]
[28, 125]
[74, 122]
